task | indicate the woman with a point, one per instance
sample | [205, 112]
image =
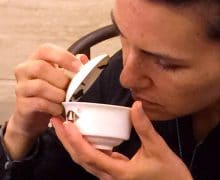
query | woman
[170, 52]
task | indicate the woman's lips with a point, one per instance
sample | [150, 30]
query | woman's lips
[145, 101]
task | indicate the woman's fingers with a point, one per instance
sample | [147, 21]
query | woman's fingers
[41, 89]
[55, 55]
[153, 145]
[32, 105]
[117, 155]
[141, 122]
[153, 160]
[39, 69]
[83, 153]
[144, 128]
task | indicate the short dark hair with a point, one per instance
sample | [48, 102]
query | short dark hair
[211, 13]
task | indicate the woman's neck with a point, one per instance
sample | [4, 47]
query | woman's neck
[205, 121]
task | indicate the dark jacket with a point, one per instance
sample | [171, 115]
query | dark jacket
[49, 160]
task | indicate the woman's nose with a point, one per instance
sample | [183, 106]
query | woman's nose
[134, 74]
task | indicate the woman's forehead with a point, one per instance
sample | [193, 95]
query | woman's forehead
[159, 29]
[205, 14]
[155, 23]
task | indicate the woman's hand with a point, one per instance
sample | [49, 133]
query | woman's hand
[153, 160]
[41, 86]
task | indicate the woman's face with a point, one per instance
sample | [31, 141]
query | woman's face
[169, 63]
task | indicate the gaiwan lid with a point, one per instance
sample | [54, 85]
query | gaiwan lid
[84, 79]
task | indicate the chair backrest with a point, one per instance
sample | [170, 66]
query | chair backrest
[83, 45]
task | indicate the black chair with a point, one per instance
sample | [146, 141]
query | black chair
[84, 44]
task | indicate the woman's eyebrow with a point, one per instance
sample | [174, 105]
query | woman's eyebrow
[152, 53]
[164, 56]
[116, 25]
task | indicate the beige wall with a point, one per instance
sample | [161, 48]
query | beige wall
[25, 24]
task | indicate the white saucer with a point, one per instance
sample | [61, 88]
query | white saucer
[87, 75]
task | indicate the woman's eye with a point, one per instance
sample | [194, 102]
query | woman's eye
[170, 67]
[166, 65]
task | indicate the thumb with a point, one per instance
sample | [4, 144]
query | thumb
[142, 124]
[83, 58]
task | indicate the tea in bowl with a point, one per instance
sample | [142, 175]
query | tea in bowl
[104, 126]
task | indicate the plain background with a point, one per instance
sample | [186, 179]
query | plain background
[25, 24]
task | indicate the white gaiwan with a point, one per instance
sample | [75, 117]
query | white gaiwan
[104, 126]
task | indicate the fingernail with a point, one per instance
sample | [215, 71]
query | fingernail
[51, 121]
[139, 107]
[50, 125]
